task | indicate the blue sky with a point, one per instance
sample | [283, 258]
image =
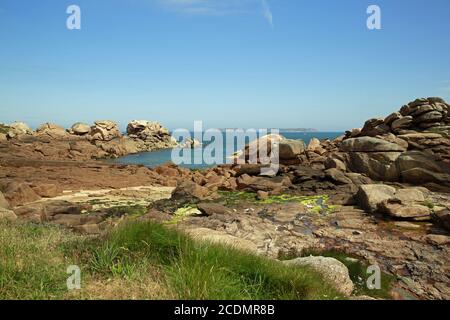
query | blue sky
[230, 63]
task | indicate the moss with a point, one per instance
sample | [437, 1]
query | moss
[317, 204]
[428, 204]
[182, 213]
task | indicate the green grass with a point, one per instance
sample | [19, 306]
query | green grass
[143, 260]
[31, 266]
[196, 270]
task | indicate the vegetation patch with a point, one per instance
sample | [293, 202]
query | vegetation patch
[317, 204]
[143, 260]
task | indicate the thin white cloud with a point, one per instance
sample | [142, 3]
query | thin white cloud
[220, 7]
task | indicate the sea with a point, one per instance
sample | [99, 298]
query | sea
[205, 156]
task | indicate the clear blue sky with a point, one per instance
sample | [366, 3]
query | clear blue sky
[221, 61]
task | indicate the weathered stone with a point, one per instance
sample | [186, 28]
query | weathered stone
[104, 130]
[47, 190]
[273, 185]
[369, 196]
[19, 193]
[18, 128]
[80, 129]
[402, 123]
[189, 189]
[6, 214]
[442, 216]
[4, 204]
[213, 208]
[396, 209]
[333, 163]
[392, 117]
[332, 270]
[291, 149]
[369, 144]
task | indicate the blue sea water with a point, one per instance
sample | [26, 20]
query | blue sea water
[199, 161]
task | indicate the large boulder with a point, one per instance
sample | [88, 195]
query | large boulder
[8, 215]
[379, 166]
[259, 148]
[80, 129]
[369, 196]
[291, 149]
[189, 190]
[144, 129]
[405, 203]
[369, 144]
[19, 193]
[334, 271]
[18, 129]
[274, 185]
[104, 131]
[396, 209]
[52, 130]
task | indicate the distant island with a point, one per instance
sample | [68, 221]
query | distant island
[298, 130]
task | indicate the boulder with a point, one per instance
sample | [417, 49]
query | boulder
[333, 163]
[291, 149]
[397, 209]
[314, 144]
[273, 185]
[442, 216]
[104, 131]
[259, 148]
[8, 215]
[189, 189]
[402, 123]
[19, 128]
[148, 130]
[47, 190]
[332, 270]
[213, 208]
[369, 196]
[52, 130]
[379, 166]
[4, 204]
[369, 144]
[19, 193]
[80, 129]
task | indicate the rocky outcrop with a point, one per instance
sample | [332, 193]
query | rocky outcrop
[52, 130]
[82, 142]
[411, 145]
[104, 131]
[17, 129]
[150, 135]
